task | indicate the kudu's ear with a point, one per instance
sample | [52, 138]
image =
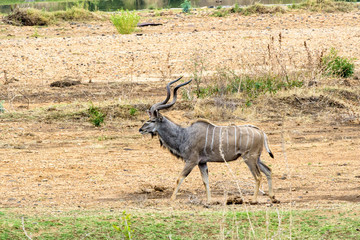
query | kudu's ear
[156, 114]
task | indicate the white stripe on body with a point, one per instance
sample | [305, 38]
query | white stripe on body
[212, 140]
[247, 140]
[227, 139]
[240, 140]
[206, 139]
[252, 139]
[220, 142]
[235, 139]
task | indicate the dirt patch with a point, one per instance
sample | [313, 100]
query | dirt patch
[311, 104]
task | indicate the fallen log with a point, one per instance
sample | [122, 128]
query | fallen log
[148, 24]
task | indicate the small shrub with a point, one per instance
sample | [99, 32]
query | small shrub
[132, 111]
[220, 13]
[125, 226]
[336, 65]
[96, 116]
[236, 9]
[125, 22]
[186, 6]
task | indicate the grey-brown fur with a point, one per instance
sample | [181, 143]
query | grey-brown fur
[203, 142]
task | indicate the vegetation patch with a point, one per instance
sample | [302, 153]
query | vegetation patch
[186, 6]
[336, 65]
[96, 116]
[221, 13]
[249, 86]
[262, 9]
[35, 17]
[324, 6]
[227, 224]
[125, 22]
[28, 17]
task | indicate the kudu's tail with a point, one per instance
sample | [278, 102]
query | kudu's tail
[267, 146]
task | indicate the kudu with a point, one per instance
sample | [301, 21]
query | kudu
[203, 142]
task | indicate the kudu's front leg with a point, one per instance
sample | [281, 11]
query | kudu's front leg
[205, 177]
[189, 166]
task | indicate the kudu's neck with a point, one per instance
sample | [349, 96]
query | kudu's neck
[171, 135]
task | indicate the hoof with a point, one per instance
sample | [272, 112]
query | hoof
[274, 200]
[234, 200]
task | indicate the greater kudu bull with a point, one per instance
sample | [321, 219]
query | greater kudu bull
[203, 142]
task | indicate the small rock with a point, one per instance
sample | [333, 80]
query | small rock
[159, 188]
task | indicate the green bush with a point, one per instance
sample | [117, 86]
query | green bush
[125, 22]
[96, 116]
[125, 226]
[336, 65]
[133, 111]
[186, 6]
[221, 13]
[236, 8]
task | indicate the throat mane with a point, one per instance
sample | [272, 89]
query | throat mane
[172, 150]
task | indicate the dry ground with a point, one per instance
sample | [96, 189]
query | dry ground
[67, 164]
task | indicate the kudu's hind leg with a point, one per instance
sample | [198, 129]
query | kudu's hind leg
[267, 171]
[205, 177]
[184, 173]
[254, 169]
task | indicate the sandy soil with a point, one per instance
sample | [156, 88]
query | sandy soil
[71, 164]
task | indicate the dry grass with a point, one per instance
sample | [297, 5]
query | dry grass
[262, 9]
[329, 6]
[317, 97]
[35, 17]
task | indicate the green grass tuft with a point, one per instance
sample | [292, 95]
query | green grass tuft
[125, 22]
[96, 116]
[336, 65]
